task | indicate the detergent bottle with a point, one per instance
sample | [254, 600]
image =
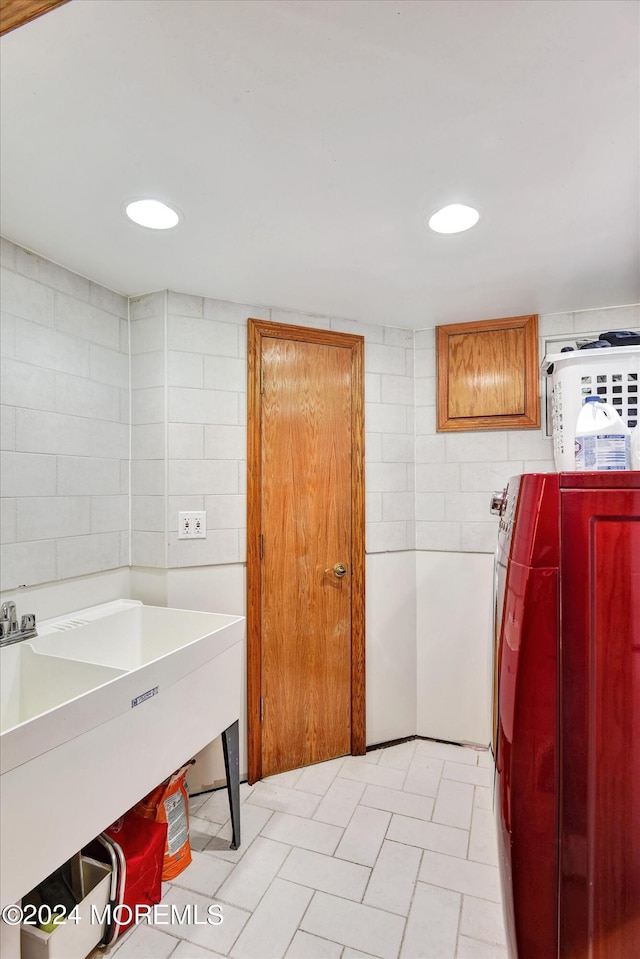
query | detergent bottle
[603, 440]
[635, 447]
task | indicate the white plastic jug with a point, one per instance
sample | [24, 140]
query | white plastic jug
[603, 440]
[635, 447]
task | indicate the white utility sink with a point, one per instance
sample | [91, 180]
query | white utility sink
[96, 711]
[128, 635]
[34, 684]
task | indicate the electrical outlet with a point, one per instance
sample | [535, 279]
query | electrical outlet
[192, 525]
[199, 524]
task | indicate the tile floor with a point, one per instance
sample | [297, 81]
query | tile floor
[389, 855]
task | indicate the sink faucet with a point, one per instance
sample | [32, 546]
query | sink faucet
[10, 632]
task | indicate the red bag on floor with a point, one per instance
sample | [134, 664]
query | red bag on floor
[169, 803]
[134, 847]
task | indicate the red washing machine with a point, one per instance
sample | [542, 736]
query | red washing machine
[567, 714]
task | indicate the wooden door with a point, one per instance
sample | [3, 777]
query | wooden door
[305, 546]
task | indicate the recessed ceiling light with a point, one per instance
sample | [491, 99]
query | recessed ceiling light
[454, 218]
[152, 214]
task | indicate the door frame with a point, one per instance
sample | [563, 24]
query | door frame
[257, 330]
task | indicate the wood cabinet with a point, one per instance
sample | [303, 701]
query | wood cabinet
[488, 375]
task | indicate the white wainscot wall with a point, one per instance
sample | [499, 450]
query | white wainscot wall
[391, 646]
[454, 646]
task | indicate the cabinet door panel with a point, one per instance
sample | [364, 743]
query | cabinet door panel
[488, 376]
[600, 724]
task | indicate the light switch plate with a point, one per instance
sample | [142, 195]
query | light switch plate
[192, 524]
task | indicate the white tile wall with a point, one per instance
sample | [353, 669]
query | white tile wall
[98, 551]
[195, 477]
[148, 441]
[147, 368]
[26, 386]
[37, 520]
[78, 475]
[148, 477]
[148, 432]
[148, 513]
[27, 298]
[191, 405]
[203, 335]
[224, 442]
[85, 321]
[56, 351]
[389, 443]
[147, 405]
[25, 564]
[65, 429]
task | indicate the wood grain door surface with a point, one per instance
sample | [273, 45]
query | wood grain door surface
[306, 519]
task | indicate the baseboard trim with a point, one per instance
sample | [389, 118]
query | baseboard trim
[426, 739]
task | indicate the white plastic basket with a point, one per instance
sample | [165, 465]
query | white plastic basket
[613, 374]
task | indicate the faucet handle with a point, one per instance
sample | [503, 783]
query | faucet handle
[27, 622]
[9, 618]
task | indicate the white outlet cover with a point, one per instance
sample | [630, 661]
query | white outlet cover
[192, 524]
[199, 528]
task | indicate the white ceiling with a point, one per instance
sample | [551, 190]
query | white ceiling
[306, 142]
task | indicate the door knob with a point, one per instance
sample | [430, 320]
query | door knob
[338, 570]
